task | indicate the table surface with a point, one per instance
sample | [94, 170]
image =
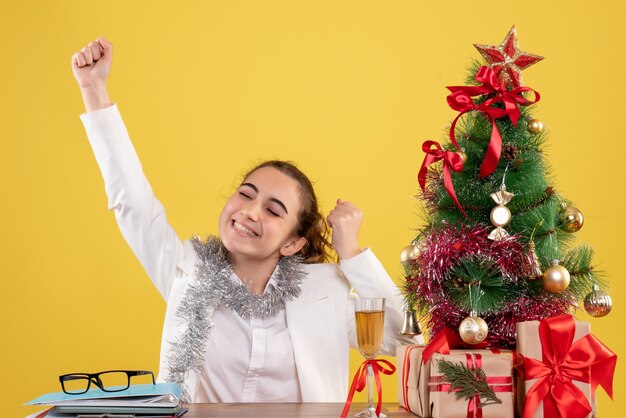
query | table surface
[293, 410]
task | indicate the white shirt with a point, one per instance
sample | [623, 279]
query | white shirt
[238, 366]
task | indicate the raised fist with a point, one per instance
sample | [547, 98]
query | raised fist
[91, 65]
[345, 220]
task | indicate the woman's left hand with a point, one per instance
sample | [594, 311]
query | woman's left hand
[345, 220]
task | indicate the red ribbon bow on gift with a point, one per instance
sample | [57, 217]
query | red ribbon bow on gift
[461, 100]
[451, 161]
[587, 360]
[442, 343]
[360, 380]
[446, 340]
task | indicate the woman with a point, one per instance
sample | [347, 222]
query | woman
[254, 315]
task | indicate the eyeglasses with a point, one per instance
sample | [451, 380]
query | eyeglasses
[108, 381]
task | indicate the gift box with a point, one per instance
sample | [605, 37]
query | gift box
[414, 375]
[562, 366]
[412, 382]
[497, 366]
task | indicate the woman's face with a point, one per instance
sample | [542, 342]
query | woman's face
[260, 219]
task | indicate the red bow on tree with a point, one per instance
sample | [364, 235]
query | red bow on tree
[451, 161]
[461, 100]
[587, 360]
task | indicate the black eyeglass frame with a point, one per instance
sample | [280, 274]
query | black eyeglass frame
[95, 379]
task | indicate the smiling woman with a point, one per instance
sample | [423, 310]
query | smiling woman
[312, 226]
[254, 315]
[257, 227]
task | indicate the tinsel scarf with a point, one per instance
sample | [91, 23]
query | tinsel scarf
[213, 286]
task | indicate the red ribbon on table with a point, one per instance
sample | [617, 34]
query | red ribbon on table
[451, 161]
[499, 384]
[360, 381]
[587, 360]
[461, 100]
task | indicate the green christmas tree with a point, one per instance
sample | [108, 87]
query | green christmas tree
[497, 247]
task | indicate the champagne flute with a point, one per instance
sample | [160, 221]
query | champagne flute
[370, 321]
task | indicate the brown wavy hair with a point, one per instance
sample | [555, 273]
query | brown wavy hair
[312, 224]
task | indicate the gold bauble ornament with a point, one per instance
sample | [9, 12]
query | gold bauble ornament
[473, 330]
[572, 219]
[408, 255]
[598, 303]
[463, 156]
[535, 126]
[555, 278]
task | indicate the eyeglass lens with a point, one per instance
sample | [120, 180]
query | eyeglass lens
[75, 384]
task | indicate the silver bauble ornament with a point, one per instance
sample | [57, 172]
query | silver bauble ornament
[598, 303]
[473, 330]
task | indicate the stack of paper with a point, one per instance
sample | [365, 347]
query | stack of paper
[160, 400]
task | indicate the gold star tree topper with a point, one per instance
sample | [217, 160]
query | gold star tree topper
[507, 60]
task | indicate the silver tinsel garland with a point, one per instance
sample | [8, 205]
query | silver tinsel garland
[214, 287]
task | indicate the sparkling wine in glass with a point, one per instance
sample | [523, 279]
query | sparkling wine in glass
[370, 322]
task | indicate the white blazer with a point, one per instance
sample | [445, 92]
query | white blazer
[320, 321]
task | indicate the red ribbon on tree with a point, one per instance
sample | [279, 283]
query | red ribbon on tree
[587, 360]
[360, 380]
[451, 161]
[461, 100]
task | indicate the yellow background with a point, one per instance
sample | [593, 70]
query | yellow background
[348, 89]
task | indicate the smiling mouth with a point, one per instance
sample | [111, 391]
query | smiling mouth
[241, 228]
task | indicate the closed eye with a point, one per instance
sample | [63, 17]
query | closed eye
[273, 212]
[245, 195]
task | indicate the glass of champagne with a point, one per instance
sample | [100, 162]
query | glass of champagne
[370, 320]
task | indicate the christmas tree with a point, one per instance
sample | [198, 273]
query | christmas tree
[497, 245]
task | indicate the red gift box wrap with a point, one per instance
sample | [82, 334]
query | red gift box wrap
[498, 368]
[562, 366]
